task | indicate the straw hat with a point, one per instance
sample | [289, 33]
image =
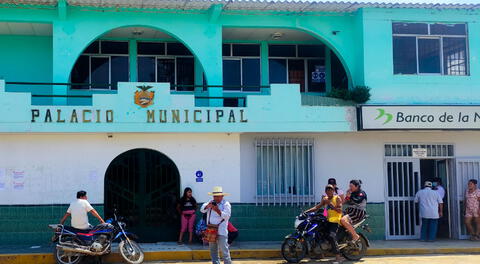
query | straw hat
[218, 191]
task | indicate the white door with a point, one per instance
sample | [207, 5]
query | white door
[467, 168]
[402, 183]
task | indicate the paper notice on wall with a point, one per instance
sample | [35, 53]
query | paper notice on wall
[2, 179]
[18, 179]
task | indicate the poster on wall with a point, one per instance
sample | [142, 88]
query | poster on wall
[18, 179]
[2, 179]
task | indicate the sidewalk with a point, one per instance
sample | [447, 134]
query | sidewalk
[240, 250]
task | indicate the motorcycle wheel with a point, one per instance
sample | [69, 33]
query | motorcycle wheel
[131, 252]
[293, 250]
[64, 257]
[357, 251]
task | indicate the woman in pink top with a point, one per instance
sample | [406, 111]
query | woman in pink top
[472, 209]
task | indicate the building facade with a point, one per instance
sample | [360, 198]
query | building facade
[134, 101]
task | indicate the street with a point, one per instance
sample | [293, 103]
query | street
[434, 259]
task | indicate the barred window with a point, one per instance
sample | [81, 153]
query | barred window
[285, 171]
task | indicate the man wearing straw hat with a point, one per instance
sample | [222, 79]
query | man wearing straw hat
[218, 212]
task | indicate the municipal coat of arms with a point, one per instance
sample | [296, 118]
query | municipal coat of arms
[144, 98]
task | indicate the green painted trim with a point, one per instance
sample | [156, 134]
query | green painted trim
[264, 68]
[62, 9]
[132, 61]
[198, 75]
[240, 41]
[214, 12]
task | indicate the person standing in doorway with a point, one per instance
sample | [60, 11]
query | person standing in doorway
[218, 213]
[472, 209]
[186, 207]
[79, 210]
[431, 209]
[438, 187]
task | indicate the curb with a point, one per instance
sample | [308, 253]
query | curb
[47, 258]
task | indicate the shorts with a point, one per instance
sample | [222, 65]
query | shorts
[472, 213]
[355, 215]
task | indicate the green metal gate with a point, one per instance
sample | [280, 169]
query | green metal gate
[143, 185]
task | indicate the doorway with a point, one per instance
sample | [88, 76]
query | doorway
[143, 185]
[436, 171]
[405, 175]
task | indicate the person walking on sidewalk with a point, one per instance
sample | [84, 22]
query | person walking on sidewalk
[472, 210]
[186, 208]
[431, 209]
[218, 213]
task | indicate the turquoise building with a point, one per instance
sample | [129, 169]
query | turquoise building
[133, 101]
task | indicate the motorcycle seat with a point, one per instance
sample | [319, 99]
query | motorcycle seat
[77, 231]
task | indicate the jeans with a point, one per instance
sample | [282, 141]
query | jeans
[222, 243]
[429, 229]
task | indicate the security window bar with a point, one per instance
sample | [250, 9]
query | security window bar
[285, 171]
[406, 150]
[430, 48]
[241, 67]
[300, 64]
[102, 63]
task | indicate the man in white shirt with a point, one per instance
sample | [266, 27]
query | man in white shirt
[79, 210]
[431, 209]
[437, 186]
[218, 213]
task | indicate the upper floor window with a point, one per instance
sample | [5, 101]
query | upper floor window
[301, 64]
[101, 66]
[168, 62]
[241, 67]
[430, 48]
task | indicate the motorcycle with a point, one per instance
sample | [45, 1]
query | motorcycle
[310, 238]
[72, 245]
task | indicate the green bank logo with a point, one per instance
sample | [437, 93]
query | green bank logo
[383, 114]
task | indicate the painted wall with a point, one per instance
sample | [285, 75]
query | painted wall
[27, 59]
[388, 88]
[347, 156]
[57, 166]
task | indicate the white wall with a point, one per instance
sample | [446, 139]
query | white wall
[56, 166]
[357, 155]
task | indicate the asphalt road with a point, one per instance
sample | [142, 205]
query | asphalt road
[431, 259]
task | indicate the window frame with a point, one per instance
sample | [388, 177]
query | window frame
[174, 57]
[240, 58]
[109, 56]
[305, 63]
[440, 38]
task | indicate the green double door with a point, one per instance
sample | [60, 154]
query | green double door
[143, 185]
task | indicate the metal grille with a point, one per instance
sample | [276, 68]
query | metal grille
[467, 168]
[403, 181]
[405, 150]
[285, 171]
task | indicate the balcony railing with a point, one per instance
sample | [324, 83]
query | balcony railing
[228, 100]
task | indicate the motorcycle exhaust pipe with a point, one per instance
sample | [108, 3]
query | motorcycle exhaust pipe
[79, 250]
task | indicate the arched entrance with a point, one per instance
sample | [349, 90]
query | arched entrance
[143, 185]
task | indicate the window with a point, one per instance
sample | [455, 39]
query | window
[423, 48]
[166, 62]
[101, 66]
[241, 67]
[285, 169]
[301, 64]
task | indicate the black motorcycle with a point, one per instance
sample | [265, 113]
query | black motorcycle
[311, 238]
[74, 244]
